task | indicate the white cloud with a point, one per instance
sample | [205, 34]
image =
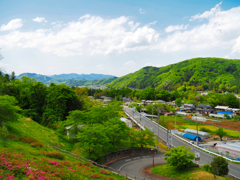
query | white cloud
[12, 25]
[85, 17]
[92, 35]
[132, 25]
[176, 28]
[100, 67]
[4, 65]
[141, 11]
[236, 47]
[57, 24]
[39, 19]
[220, 32]
[207, 14]
[130, 63]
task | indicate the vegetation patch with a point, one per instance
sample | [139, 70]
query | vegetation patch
[193, 173]
[15, 165]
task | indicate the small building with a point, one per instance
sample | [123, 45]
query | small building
[222, 108]
[191, 137]
[102, 97]
[159, 101]
[126, 99]
[202, 134]
[149, 102]
[188, 107]
[204, 109]
[127, 121]
[70, 134]
[107, 99]
[171, 103]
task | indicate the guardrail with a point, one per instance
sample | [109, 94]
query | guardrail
[135, 121]
[122, 173]
[193, 144]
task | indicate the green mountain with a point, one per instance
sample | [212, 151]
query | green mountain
[201, 73]
[43, 78]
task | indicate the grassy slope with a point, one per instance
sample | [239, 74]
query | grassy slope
[189, 173]
[201, 69]
[25, 127]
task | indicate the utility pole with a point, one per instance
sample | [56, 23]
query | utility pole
[152, 112]
[175, 121]
[158, 122]
[197, 130]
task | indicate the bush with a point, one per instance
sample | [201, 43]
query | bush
[56, 155]
[207, 168]
[13, 136]
[219, 166]
[204, 129]
[37, 144]
[179, 157]
[28, 140]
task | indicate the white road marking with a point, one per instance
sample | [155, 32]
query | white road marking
[136, 158]
[128, 160]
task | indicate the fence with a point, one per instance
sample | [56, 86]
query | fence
[122, 173]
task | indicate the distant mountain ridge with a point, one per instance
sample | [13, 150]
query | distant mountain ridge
[75, 76]
[70, 79]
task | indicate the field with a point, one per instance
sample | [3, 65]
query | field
[194, 173]
[182, 124]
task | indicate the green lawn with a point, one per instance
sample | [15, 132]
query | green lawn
[187, 174]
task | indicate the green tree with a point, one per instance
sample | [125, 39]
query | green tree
[138, 108]
[8, 109]
[93, 140]
[145, 138]
[102, 114]
[116, 130]
[180, 157]
[133, 135]
[232, 101]
[178, 102]
[4, 134]
[219, 166]
[13, 76]
[220, 132]
[60, 100]
[75, 119]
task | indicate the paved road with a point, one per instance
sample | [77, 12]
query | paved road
[134, 165]
[204, 157]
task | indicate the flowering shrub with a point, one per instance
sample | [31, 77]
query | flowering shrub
[19, 166]
[56, 155]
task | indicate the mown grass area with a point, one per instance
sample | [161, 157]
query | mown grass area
[193, 173]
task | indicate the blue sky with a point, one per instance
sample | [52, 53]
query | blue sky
[114, 37]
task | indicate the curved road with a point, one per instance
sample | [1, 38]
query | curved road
[134, 165]
[234, 169]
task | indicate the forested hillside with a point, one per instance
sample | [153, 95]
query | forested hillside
[198, 74]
